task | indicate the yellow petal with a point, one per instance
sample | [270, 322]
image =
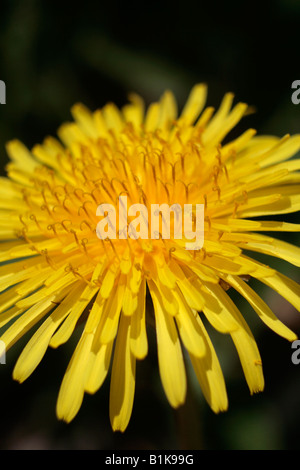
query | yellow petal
[130, 301]
[188, 327]
[122, 385]
[85, 120]
[138, 340]
[108, 281]
[216, 122]
[249, 357]
[100, 354]
[209, 375]
[113, 117]
[9, 298]
[111, 313]
[287, 147]
[261, 308]
[285, 286]
[267, 245]
[99, 367]
[135, 276]
[168, 113]
[243, 340]
[152, 117]
[189, 287]
[70, 133]
[170, 360]
[21, 156]
[134, 112]
[76, 306]
[165, 275]
[26, 321]
[193, 105]
[72, 388]
[217, 310]
[36, 347]
[9, 314]
[220, 132]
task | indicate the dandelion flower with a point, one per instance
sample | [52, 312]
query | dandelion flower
[56, 271]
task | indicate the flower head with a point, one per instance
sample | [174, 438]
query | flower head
[60, 271]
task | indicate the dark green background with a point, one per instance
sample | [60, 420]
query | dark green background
[53, 54]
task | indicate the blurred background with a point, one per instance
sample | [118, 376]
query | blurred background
[54, 54]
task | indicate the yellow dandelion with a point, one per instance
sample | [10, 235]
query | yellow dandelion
[56, 270]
